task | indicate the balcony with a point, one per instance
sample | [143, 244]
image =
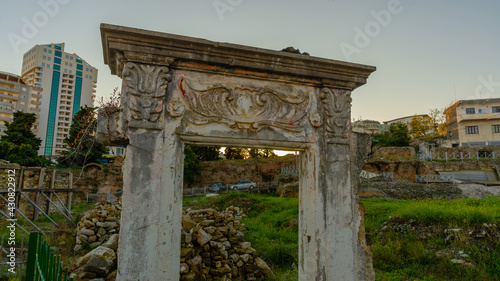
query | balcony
[36, 95]
[35, 109]
[9, 97]
[478, 117]
[6, 119]
[36, 102]
[15, 88]
[5, 110]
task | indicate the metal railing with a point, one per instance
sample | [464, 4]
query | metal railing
[431, 178]
[201, 191]
[377, 176]
[42, 263]
[291, 170]
[455, 156]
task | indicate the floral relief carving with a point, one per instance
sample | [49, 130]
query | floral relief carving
[337, 106]
[146, 86]
[244, 107]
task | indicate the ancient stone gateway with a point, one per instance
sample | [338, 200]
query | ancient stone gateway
[179, 90]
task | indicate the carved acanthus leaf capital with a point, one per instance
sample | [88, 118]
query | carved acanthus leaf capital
[337, 106]
[145, 90]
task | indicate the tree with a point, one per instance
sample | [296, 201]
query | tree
[420, 126]
[397, 136]
[207, 153]
[192, 165]
[438, 122]
[19, 144]
[261, 153]
[429, 127]
[236, 153]
[81, 146]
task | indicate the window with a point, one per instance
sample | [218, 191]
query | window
[470, 111]
[50, 51]
[91, 70]
[44, 50]
[71, 58]
[43, 64]
[469, 130]
[48, 58]
[495, 109]
[495, 128]
[66, 63]
[44, 57]
[71, 64]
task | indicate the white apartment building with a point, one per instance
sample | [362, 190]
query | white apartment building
[68, 82]
[17, 96]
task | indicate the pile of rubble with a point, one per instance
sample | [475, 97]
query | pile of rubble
[213, 247]
[98, 224]
[98, 264]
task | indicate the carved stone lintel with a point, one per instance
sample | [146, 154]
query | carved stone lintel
[145, 91]
[241, 107]
[337, 106]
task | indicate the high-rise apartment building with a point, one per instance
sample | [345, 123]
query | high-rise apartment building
[68, 82]
[15, 95]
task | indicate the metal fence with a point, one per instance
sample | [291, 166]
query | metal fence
[292, 170]
[455, 156]
[433, 178]
[377, 176]
[42, 263]
[97, 197]
[270, 186]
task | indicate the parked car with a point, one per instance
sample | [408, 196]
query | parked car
[243, 185]
[218, 187]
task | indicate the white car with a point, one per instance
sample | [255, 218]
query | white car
[243, 185]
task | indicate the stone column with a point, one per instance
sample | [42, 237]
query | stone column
[152, 180]
[328, 240]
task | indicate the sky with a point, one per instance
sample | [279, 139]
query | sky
[428, 53]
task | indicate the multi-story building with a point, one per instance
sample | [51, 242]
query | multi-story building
[474, 122]
[68, 82]
[17, 96]
[405, 120]
[369, 127]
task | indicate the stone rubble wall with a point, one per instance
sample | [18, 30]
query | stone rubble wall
[232, 171]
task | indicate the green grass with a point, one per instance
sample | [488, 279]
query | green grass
[273, 231]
